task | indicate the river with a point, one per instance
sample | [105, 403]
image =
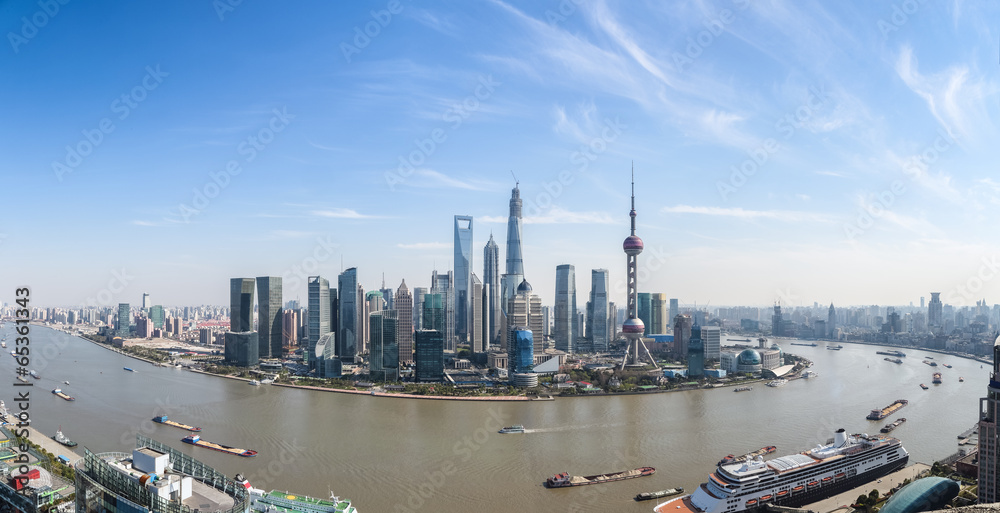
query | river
[394, 455]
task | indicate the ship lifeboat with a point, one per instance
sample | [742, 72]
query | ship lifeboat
[765, 498]
[797, 489]
[813, 483]
[751, 502]
[784, 493]
[826, 479]
[840, 475]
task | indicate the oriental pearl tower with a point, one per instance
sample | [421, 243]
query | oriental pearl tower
[633, 327]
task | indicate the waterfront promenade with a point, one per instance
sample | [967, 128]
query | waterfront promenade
[841, 503]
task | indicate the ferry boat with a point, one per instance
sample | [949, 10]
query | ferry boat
[162, 419]
[810, 476]
[742, 389]
[285, 502]
[61, 438]
[34, 374]
[936, 378]
[645, 496]
[777, 383]
[748, 456]
[130, 369]
[58, 392]
[923, 386]
[564, 479]
[254, 382]
[809, 374]
[196, 440]
[888, 410]
[837, 347]
[889, 427]
[517, 428]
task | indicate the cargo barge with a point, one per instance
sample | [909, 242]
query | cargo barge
[936, 378]
[196, 440]
[162, 419]
[889, 427]
[888, 410]
[893, 360]
[645, 496]
[59, 393]
[564, 479]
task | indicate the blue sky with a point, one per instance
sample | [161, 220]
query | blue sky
[793, 151]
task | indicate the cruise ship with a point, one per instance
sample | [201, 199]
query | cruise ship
[844, 463]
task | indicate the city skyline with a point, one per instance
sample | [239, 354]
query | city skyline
[874, 189]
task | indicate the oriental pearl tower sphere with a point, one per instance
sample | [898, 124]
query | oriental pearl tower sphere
[633, 328]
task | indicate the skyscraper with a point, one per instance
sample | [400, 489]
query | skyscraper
[989, 435]
[418, 307]
[831, 323]
[319, 315]
[123, 325]
[520, 351]
[565, 308]
[645, 307]
[429, 356]
[491, 284]
[347, 336]
[696, 354]
[433, 312]
[477, 316]
[404, 326]
[241, 304]
[525, 311]
[711, 342]
[241, 348]
[444, 284]
[674, 310]
[657, 314]
[514, 270]
[269, 316]
[463, 272]
[633, 328]
[935, 319]
[599, 312]
[384, 356]
[776, 322]
[146, 303]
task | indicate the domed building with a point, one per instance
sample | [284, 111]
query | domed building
[746, 361]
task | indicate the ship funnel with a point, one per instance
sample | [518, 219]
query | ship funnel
[840, 438]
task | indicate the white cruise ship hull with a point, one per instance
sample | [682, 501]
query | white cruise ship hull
[736, 488]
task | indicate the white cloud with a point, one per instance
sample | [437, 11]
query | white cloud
[342, 213]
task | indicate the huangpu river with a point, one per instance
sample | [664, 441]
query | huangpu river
[390, 455]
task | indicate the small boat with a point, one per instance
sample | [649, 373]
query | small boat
[65, 382]
[59, 393]
[21, 379]
[645, 496]
[835, 348]
[827, 479]
[61, 438]
[512, 429]
[812, 483]
[961, 379]
[751, 502]
[936, 378]
[3, 344]
[782, 493]
[34, 374]
[923, 386]
[254, 382]
[946, 365]
[889, 427]
[777, 383]
[196, 440]
[564, 479]
[796, 489]
[809, 374]
[765, 498]
[162, 419]
[130, 369]
[742, 389]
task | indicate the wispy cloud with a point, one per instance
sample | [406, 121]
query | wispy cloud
[140, 222]
[741, 213]
[557, 215]
[425, 245]
[343, 213]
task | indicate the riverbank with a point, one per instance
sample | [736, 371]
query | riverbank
[967, 356]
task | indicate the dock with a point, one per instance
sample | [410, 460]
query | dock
[841, 503]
